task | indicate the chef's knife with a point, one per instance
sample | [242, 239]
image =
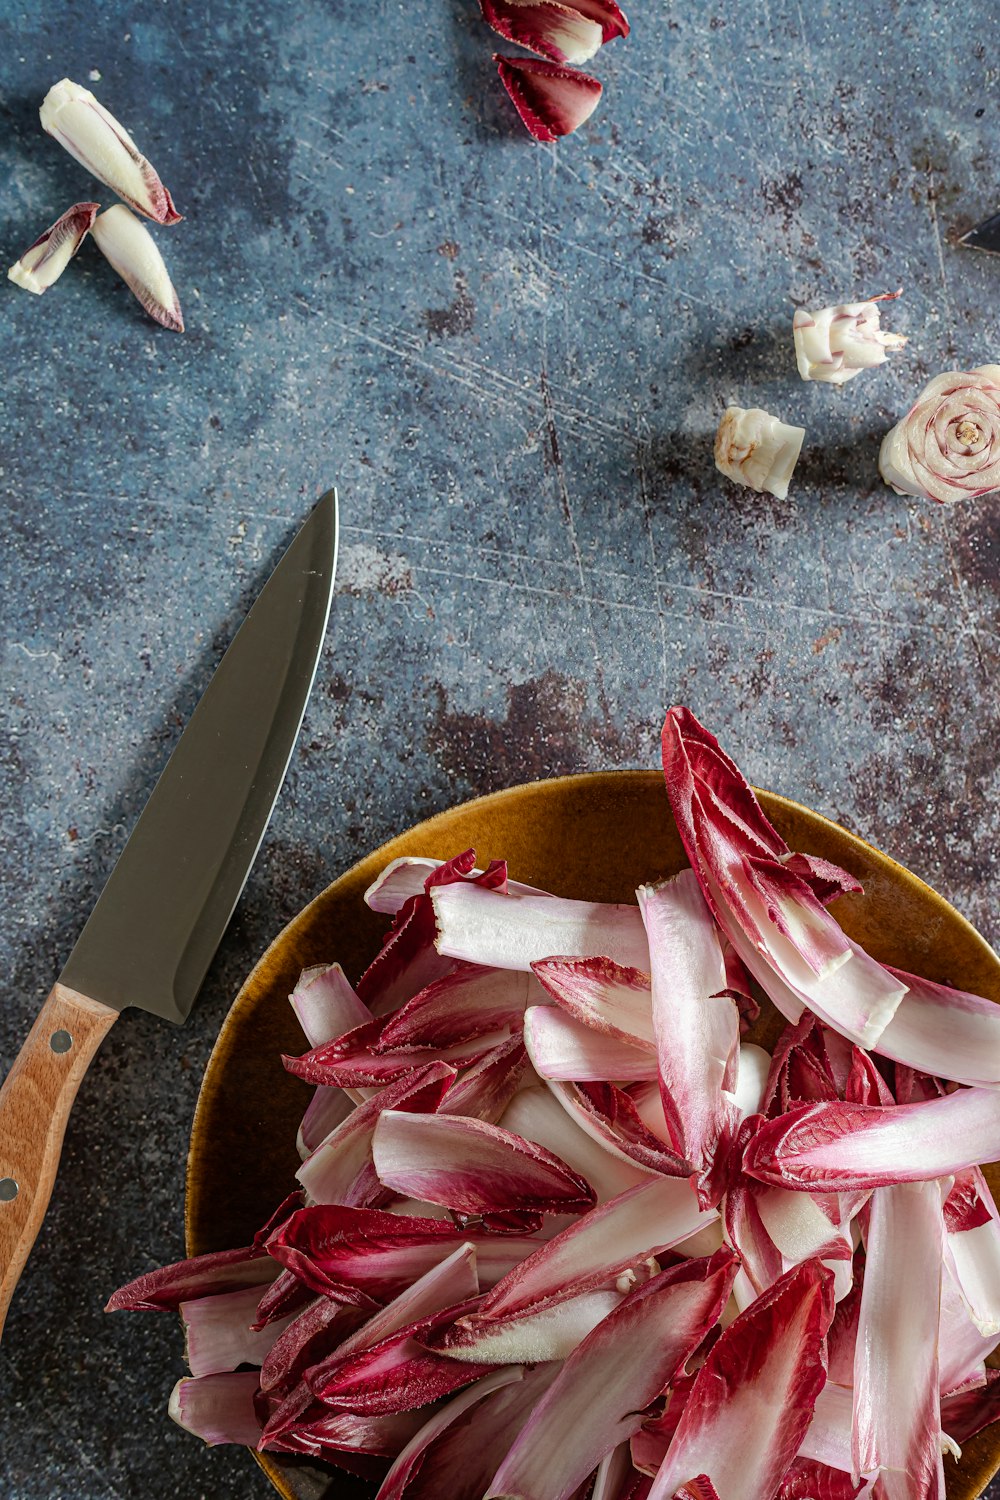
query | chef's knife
[161, 915]
[985, 236]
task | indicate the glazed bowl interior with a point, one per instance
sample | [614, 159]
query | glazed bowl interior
[592, 836]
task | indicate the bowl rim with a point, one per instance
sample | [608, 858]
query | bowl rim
[277, 1467]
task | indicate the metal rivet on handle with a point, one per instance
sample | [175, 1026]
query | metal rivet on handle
[8, 1190]
[60, 1041]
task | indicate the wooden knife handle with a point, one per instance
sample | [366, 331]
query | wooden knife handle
[35, 1101]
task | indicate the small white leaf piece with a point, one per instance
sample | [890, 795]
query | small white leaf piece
[837, 343]
[46, 260]
[78, 121]
[757, 450]
[131, 249]
[947, 447]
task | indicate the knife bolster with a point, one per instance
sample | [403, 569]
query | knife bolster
[35, 1102]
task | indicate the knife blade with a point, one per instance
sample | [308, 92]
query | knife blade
[985, 236]
[156, 925]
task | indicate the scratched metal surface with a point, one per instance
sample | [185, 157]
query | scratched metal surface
[511, 359]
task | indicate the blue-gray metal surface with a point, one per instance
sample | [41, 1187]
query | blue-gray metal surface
[512, 359]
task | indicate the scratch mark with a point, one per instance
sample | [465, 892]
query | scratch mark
[642, 453]
[37, 655]
[567, 510]
[970, 618]
[939, 246]
[699, 592]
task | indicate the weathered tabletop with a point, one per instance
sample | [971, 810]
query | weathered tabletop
[511, 359]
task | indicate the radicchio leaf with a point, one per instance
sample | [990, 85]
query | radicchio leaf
[471, 1167]
[564, 1048]
[809, 1480]
[597, 1399]
[203, 1276]
[612, 1000]
[606, 1244]
[407, 1466]
[765, 901]
[551, 100]
[839, 1146]
[324, 1322]
[341, 1170]
[547, 1330]
[614, 1118]
[752, 1399]
[545, 27]
[460, 1461]
[972, 1245]
[396, 1373]
[697, 1036]
[897, 1415]
[380, 1254]
[218, 1332]
[484, 1090]
[538, 1115]
[513, 932]
[218, 1408]
[964, 1415]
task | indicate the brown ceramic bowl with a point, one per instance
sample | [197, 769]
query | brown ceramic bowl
[595, 836]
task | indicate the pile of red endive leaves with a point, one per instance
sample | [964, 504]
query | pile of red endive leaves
[560, 1234]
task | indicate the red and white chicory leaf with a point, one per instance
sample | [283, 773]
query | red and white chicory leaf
[699, 1488]
[218, 1408]
[340, 1170]
[613, 1118]
[541, 1115]
[470, 1002]
[897, 1418]
[44, 262]
[203, 1276]
[460, 1461]
[608, 1243]
[822, 1148]
[597, 1400]
[552, 100]
[328, 1108]
[471, 1167]
[327, 1004]
[484, 1090]
[562, 1047]
[753, 1398]
[972, 1247]
[828, 1438]
[407, 1466]
[809, 1480]
[93, 136]
[545, 27]
[307, 1338]
[616, 1001]
[398, 1373]
[696, 1028]
[378, 1254]
[962, 1349]
[287, 1294]
[613, 1475]
[607, 14]
[761, 1259]
[944, 1032]
[548, 1330]
[219, 1333]
[128, 246]
[513, 932]
[964, 1415]
[764, 897]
